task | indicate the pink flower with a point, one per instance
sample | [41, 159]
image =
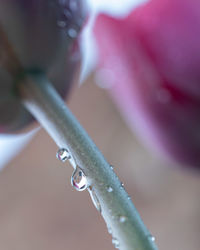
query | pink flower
[153, 58]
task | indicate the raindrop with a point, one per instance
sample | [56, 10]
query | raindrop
[78, 179]
[109, 189]
[63, 154]
[115, 242]
[95, 199]
[122, 219]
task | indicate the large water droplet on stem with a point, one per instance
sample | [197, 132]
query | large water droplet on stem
[78, 179]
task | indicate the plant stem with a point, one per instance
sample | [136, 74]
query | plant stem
[118, 211]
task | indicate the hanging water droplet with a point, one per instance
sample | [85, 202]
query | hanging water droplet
[122, 219]
[115, 242]
[109, 189]
[78, 179]
[72, 32]
[63, 154]
[95, 199]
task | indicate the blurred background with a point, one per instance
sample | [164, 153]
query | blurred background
[40, 210]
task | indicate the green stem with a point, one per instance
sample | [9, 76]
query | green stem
[118, 211]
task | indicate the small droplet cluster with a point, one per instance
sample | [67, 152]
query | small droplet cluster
[78, 179]
[71, 16]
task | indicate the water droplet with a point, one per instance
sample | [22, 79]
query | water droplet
[115, 242]
[61, 24]
[67, 13]
[73, 5]
[111, 167]
[129, 198]
[63, 154]
[78, 179]
[122, 186]
[109, 189]
[109, 230]
[72, 32]
[95, 199]
[122, 219]
[151, 237]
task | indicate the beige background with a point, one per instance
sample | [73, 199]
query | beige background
[40, 210]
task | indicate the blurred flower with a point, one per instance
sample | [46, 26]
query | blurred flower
[150, 61]
[36, 36]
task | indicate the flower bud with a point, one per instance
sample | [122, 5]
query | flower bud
[36, 36]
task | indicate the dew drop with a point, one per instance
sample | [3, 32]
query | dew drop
[122, 219]
[109, 189]
[72, 32]
[95, 199]
[61, 24]
[115, 242]
[122, 186]
[151, 238]
[73, 5]
[109, 230]
[63, 154]
[67, 13]
[78, 179]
